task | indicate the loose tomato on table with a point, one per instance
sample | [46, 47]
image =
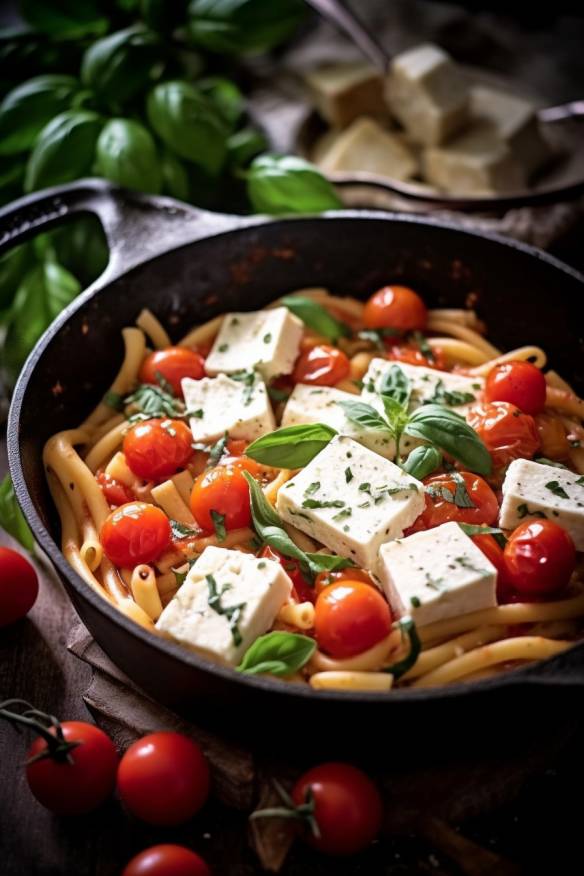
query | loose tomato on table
[445, 497]
[135, 533]
[166, 859]
[350, 617]
[19, 586]
[114, 491]
[322, 365]
[397, 307]
[506, 431]
[163, 778]
[172, 364]
[156, 449]
[302, 591]
[519, 383]
[539, 559]
[412, 355]
[224, 491]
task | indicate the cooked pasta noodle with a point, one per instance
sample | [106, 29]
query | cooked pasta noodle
[152, 327]
[135, 347]
[145, 592]
[339, 680]
[299, 615]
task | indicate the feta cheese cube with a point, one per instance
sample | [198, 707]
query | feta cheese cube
[267, 340]
[227, 600]
[219, 404]
[366, 147]
[427, 93]
[341, 92]
[351, 500]
[436, 574]
[320, 404]
[532, 490]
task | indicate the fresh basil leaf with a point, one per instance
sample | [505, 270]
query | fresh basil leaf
[219, 525]
[364, 415]
[395, 385]
[291, 446]
[236, 27]
[277, 653]
[154, 401]
[450, 432]
[218, 450]
[231, 612]
[471, 529]
[409, 631]
[188, 124]
[279, 184]
[181, 530]
[64, 150]
[11, 517]
[552, 462]
[422, 461]
[328, 563]
[316, 317]
[26, 110]
[122, 64]
[225, 95]
[126, 155]
[81, 247]
[175, 179]
[244, 145]
[65, 19]
[396, 415]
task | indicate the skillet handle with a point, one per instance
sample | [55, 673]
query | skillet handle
[137, 226]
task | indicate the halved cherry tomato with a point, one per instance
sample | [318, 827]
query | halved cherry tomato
[347, 807]
[507, 432]
[19, 586]
[322, 366]
[553, 436]
[325, 579]
[413, 355]
[396, 307]
[157, 449]
[517, 382]
[350, 617]
[114, 491]
[222, 489]
[173, 364]
[164, 778]
[302, 591]
[441, 507]
[135, 533]
[539, 559]
[166, 859]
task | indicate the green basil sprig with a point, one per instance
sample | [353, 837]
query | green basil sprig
[121, 65]
[422, 461]
[316, 317]
[279, 184]
[65, 19]
[126, 155]
[408, 630]
[395, 385]
[64, 149]
[279, 653]
[365, 415]
[12, 518]
[471, 529]
[291, 446]
[236, 27]
[452, 434]
[26, 110]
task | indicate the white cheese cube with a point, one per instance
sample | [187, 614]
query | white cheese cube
[456, 391]
[204, 615]
[267, 340]
[351, 500]
[341, 92]
[436, 574]
[428, 94]
[367, 147]
[532, 490]
[320, 404]
[219, 404]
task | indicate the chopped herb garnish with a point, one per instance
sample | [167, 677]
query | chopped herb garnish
[460, 497]
[198, 414]
[262, 564]
[545, 461]
[580, 481]
[365, 488]
[277, 394]
[556, 488]
[376, 336]
[415, 602]
[114, 400]
[524, 511]
[452, 398]
[154, 402]
[316, 503]
[422, 343]
[267, 338]
[312, 488]
[181, 530]
[434, 583]
[222, 348]
[348, 475]
[217, 450]
[231, 612]
[342, 515]
[409, 632]
[234, 321]
[219, 525]
[248, 380]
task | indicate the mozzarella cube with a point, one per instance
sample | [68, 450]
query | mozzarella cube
[227, 600]
[219, 404]
[368, 148]
[321, 404]
[532, 490]
[351, 500]
[341, 92]
[427, 93]
[267, 340]
[436, 574]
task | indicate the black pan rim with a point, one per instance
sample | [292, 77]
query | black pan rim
[180, 653]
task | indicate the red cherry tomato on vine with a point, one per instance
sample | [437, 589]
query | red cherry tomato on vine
[166, 860]
[19, 586]
[173, 364]
[539, 559]
[397, 307]
[225, 491]
[163, 778]
[507, 432]
[78, 786]
[519, 383]
[322, 366]
[157, 449]
[135, 533]
[441, 507]
[347, 808]
[350, 617]
[302, 591]
[114, 491]
[413, 355]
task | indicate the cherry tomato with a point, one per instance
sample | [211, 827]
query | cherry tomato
[520, 383]
[302, 591]
[325, 579]
[507, 432]
[173, 364]
[412, 355]
[350, 617]
[163, 778]
[114, 491]
[539, 559]
[396, 307]
[19, 586]
[157, 449]
[78, 786]
[166, 860]
[135, 533]
[222, 489]
[441, 507]
[347, 807]
[553, 436]
[322, 366]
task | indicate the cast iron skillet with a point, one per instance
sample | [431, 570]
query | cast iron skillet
[188, 265]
